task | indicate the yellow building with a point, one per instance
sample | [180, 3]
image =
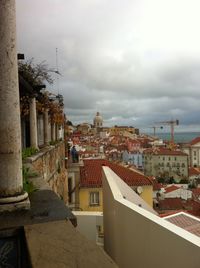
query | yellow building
[90, 191]
[84, 128]
[121, 130]
[91, 199]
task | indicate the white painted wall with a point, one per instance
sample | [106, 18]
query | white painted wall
[87, 224]
[179, 193]
[135, 237]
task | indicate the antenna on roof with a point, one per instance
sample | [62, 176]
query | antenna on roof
[57, 71]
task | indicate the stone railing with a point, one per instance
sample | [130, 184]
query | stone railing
[49, 163]
[134, 236]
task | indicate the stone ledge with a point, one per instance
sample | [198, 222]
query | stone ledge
[58, 244]
[45, 206]
[42, 152]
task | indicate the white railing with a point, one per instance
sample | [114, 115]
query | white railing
[137, 237]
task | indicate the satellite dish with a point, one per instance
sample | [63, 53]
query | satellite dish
[139, 189]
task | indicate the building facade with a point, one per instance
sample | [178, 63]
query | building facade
[193, 151]
[90, 189]
[162, 162]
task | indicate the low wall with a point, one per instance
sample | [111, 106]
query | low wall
[136, 237]
[49, 163]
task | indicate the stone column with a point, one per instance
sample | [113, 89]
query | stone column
[53, 132]
[11, 183]
[33, 124]
[46, 127]
[57, 132]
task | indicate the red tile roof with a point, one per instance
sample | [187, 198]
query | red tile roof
[194, 141]
[186, 222]
[169, 213]
[193, 207]
[164, 151]
[156, 185]
[91, 174]
[171, 203]
[196, 191]
[171, 188]
[193, 171]
[196, 194]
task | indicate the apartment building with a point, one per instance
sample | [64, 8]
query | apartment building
[163, 162]
[193, 151]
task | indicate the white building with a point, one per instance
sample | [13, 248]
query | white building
[193, 151]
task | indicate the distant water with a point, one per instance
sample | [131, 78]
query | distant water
[179, 136]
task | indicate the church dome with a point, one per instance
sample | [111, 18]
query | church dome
[98, 120]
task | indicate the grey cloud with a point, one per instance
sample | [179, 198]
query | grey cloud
[103, 64]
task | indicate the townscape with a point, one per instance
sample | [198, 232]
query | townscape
[163, 173]
[87, 194]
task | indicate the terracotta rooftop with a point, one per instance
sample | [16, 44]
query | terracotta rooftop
[196, 194]
[191, 206]
[195, 141]
[186, 222]
[157, 186]
[164, 151]
[196, 191]
[91, 174]
[193, 171]
[170, 212]
[171, 204]
[171, 188]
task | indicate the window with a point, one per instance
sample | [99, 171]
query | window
[94, 198]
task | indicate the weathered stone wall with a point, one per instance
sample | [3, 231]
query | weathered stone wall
[49, 163]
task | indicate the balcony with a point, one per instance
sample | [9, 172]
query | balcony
[44, 236]
[134, 236]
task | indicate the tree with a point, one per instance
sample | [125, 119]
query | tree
[35, 74]
[69, 123]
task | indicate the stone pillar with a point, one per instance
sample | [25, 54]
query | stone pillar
[46, 127]
[33, 124]
[11, 183]
[57, 132]
[53, 132]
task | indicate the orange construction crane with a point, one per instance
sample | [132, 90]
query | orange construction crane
[172, 123]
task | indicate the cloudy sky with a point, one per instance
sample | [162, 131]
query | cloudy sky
[137, 62]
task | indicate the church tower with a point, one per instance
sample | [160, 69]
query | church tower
[98, 121]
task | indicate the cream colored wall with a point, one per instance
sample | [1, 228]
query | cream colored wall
[134, 237]
[84, 199]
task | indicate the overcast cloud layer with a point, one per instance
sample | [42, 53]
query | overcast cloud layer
[135, 61]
